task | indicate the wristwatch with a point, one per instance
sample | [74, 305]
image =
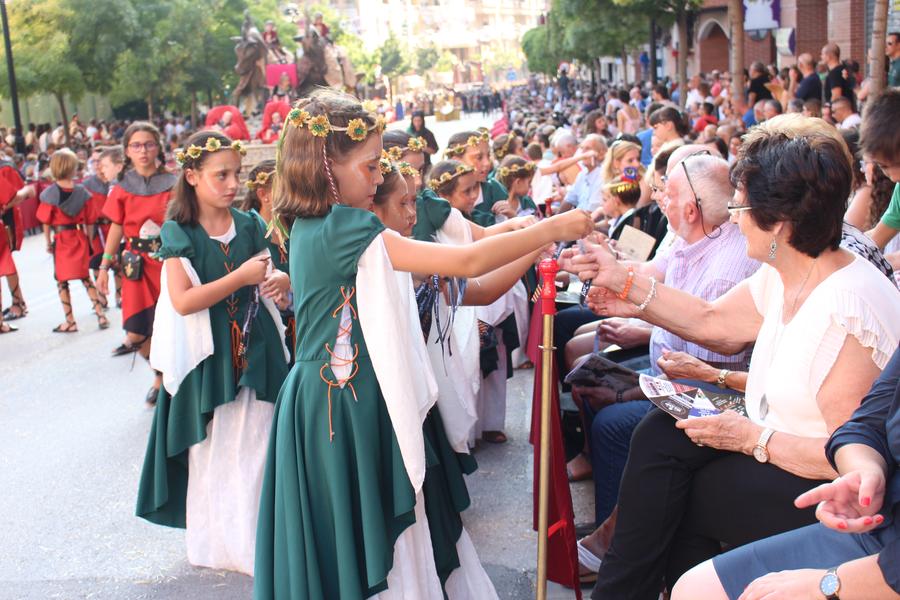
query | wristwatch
[720, 380]
[830, 584]
[759, 450]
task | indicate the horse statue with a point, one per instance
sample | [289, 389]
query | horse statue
[320, 62]
[251, 50]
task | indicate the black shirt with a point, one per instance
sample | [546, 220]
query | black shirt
[836, 79]
[810, 88]
[758, 86]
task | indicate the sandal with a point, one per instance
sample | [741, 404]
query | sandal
[102, 322]
[67, 327]
[21, 311]
[7, 328]
[125, 348]
[494, 437]
[587, 559]
[525, 366]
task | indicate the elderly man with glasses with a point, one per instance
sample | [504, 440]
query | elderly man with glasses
[707, 259]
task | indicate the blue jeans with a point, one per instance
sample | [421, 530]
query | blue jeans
[610, 438]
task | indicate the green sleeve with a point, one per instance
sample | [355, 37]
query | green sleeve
[432, 212]
[891, 216]
[347, 233]
[175, 242]
[254, 225]
[527, 203]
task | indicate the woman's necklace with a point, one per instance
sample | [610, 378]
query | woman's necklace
[803, 285]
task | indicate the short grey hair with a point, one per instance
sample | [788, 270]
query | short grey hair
[709, 175]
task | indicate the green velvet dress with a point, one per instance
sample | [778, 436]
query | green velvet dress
[280, 255]
[332, 505]
[180, 421]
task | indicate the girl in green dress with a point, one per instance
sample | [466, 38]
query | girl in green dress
[220, 349]
[258, 202]
[341, 515]
[472, 148]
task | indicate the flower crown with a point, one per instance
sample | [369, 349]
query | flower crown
[434, 184]
[407, 169]
[504, 149]
[473, 141]
[384, 163]
[505, 172]
[319, 126]
[415, 144]
[261, 180]
[212, 145]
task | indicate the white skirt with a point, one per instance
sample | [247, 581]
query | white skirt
[225, 473]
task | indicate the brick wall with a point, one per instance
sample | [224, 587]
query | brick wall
[762, 50]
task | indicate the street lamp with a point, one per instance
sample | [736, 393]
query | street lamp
[10, 70]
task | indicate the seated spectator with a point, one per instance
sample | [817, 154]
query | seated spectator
[707, 259]
[585, 192]
[854, 550]
[772, 108]
[824, 323]
[843, 114]
[707, 117]
[879, 144]
[812, 108]
[668, 124]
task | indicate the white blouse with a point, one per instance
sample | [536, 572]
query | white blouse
[790, 362]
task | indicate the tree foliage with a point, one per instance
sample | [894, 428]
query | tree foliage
[426, 58]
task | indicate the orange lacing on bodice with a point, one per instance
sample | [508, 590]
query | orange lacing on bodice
[338, 361]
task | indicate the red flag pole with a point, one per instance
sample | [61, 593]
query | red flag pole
[548, 270]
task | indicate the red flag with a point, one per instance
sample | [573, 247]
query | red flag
[562, 554]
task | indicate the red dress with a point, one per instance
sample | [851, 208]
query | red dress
[11, 227]
[65, 211]
[136, 203]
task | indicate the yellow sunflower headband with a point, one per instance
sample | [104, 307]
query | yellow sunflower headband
[407, 169]
[434, 184]
[212, 145]
[505, 172]
[504, 149]
[473, 141]
[356, 129]
[415, 144]
[384, 163]
[261, 180]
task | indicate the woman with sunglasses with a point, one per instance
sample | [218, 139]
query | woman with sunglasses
[136, 206]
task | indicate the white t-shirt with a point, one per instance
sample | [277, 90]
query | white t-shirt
[790, 362]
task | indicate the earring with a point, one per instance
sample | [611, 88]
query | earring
[773, 247]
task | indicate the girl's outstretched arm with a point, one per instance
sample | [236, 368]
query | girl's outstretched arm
[485, 255]
[486, 289]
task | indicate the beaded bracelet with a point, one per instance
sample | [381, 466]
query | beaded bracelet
[628, 282]
[650, 295]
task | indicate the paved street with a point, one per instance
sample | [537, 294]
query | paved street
[73, 428]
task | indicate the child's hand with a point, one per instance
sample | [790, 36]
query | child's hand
[275, 285]
[253, 271]
[571, 225]
[517, 223]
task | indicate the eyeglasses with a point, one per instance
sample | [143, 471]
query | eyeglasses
[697, 199]
[147, 146]
[734, 209]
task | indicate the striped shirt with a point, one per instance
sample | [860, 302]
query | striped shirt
[707, 269]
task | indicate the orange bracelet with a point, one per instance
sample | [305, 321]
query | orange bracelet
[628, 282]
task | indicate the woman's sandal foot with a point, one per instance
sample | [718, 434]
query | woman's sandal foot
[67, 327]
[7, 328]
[494, 437]
[102, 322]
[124, 349]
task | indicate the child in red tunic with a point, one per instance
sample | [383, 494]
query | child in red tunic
[63, 212]
[137, 208]
[11, 233]
[109, 165]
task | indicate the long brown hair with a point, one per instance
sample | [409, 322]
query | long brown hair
[183, 207]
[304, 185]
[151, 129]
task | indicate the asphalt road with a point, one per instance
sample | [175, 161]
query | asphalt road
[73, 429]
